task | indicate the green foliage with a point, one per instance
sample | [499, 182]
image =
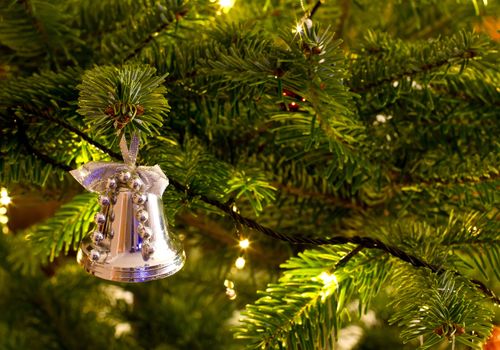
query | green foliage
[461, 240]
[129, 26]
[370, 65]
[39, 307]
[474, 239]
[65, 229]
[207, 314]
[308, 305]
[323, 68]
[253, 187]
[112, 98]
[441, 309]
[47, 89]
[36, 28]
[377, 119]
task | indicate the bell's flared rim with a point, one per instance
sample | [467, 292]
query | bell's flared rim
[155, 271]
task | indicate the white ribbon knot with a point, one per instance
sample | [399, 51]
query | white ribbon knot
[94, 175]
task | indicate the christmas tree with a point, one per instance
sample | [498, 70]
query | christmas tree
[334, 171]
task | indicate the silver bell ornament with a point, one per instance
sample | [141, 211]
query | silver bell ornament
[131, 241]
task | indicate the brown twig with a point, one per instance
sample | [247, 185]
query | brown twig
[342, 262]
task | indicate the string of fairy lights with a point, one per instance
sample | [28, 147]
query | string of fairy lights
[5, 201]
[239, 264]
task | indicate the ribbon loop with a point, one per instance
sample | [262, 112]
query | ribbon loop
[130, 154]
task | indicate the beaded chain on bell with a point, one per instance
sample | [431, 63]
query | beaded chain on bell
[130, 241]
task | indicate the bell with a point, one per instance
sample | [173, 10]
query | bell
[131, 241]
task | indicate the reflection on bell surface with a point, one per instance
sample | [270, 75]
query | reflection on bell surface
[131, 243]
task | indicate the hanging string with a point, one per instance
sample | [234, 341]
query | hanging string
[129, 154]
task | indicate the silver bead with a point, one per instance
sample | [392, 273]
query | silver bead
[124, 176]
[100, 218]
[142, 216]
[111, 184]
[111, 234]
[136, 184]
[95, 255]
[151, 249]
[144, 231]
[104, 200]
[97, 236]
[147, 250]
[113, 199]
[140, 229]
[148, 233]
[139, 198]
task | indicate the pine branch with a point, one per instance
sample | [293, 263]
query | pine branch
[147, 40]
[440, 308]
[37, 153]
[310, 297]
[36, 23]
[492, 176]
[137, 100]
[427, 67]
[383, 60]
[84, 136]
[66, 228]
[47, 115]
[154, 34]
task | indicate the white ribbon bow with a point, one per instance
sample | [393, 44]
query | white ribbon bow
[94, 175]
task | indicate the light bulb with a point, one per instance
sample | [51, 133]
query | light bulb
[4, 197]
[231, 293]
[228, 284]
[5, 200]
[244, 243]
[240, 263]
[226, 4]
[298, 28]
[328, 279]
